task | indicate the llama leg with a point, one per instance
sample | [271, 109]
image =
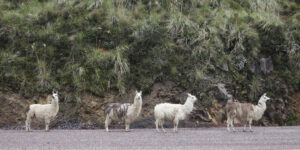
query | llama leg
[28, 122]
[127, 126]
[175, 122]
[250, 122]
[47, 122]
[162, 125]
[156, 124]
[107, 123]
[245, 125]
[231, 123]
[228, 124]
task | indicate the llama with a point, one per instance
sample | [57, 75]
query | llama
[125, 112]
[245, 112]
[43, 112]
[173, 112]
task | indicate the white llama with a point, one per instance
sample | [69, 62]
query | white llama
[125, 112]
[173, 112]
[245, 112]
[43, 112]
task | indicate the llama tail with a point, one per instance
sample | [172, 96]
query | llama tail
[155, 113]
[107, 110]
[29, 115]
[157, 117]
[27, 109]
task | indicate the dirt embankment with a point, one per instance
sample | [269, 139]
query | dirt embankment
[296, 98]
[87, 111]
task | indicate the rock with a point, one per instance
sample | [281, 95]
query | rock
[216, 113]
[220, 93]
[95, 5]
[225, 67]
[223, 90]
[240, 61]
[264, 65]
[88, 114]
[254, 68]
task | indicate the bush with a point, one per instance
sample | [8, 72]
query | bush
[98, 46]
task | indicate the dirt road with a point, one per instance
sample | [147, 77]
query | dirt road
[197, 138]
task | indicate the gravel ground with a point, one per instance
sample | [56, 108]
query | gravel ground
[272, 138]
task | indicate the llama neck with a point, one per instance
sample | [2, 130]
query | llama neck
[188, 106]
[137, 104]
[262, 105]
[54, 105]
[259, 110]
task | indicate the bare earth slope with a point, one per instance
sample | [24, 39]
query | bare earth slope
[196, 138]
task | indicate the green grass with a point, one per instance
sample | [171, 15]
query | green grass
[100, 45]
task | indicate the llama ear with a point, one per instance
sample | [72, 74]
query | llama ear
[141, 92]
[189, 94]
[136, 91]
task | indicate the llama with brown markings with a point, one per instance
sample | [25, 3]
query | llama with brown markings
[125, 112]
[245, 112]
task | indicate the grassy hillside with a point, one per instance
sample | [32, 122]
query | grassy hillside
[99, 46]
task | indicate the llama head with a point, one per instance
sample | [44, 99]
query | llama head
[264, 98]
[138, 96]
[55, 95]
[191, 97]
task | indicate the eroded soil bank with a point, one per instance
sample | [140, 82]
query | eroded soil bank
[86, 112]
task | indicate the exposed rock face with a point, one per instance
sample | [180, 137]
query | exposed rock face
[221, 97]
[223, 90]
[87, 112]
[264, 65]
[216, 113]
[282, 110]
